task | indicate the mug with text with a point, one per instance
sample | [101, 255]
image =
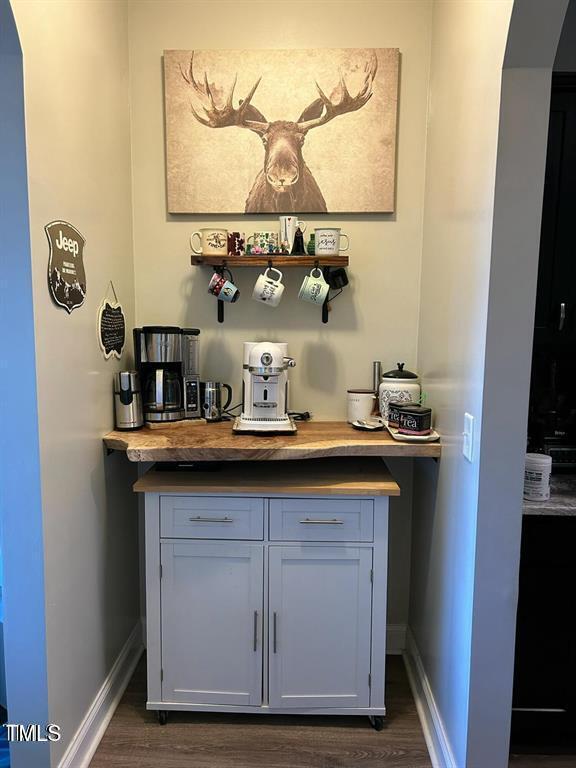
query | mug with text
[212, 242]
[268, 289]
[314, 287]
[328, 241]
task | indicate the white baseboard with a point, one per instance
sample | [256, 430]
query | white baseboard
[86, 739]
[395, 639]
[431, 721]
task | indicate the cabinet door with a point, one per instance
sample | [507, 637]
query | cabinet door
[212, 597]
[320, 606]
[544, 702]
[555, 304]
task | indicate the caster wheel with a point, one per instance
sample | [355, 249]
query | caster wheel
[377, 722]
[162, 716]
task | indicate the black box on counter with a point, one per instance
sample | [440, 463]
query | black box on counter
[414, 420]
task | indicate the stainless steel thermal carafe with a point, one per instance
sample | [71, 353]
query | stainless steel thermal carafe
[127, 400]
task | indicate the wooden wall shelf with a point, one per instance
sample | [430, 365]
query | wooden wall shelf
[263, 260]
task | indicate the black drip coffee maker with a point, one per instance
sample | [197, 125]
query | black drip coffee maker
[164, 361]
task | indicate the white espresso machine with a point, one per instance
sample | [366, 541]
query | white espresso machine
[265, 389]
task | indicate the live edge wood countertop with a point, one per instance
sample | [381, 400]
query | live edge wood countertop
[326, 477]
[198, 441]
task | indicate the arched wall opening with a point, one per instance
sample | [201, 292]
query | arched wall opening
[20, 499]
[532, 43]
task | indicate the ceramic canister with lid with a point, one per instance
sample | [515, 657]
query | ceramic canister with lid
[399, 385]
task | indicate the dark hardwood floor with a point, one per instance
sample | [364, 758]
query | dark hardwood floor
[135, 740]
[134, 737]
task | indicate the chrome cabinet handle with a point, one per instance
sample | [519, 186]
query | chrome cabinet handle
[255, 631]
[321, 522]
[562, 316]
[274, 634]
[211, 519]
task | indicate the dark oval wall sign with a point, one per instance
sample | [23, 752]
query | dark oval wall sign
[66, 274]
[111, 329]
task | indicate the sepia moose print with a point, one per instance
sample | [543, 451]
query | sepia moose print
[285, 182]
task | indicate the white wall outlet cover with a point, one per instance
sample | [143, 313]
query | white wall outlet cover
[468, 437]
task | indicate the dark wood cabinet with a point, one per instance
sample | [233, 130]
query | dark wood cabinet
[556, 299]
[544, 702]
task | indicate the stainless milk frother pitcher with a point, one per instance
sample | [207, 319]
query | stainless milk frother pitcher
[211, 399]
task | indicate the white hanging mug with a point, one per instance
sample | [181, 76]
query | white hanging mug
[328, 241]
[267, 289]
[314, 287]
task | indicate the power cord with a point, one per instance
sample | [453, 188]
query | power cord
[228, 411]
[300, 415]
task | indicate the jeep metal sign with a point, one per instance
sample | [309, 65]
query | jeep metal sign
[66, 275]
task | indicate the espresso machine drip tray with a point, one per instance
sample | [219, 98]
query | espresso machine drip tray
[259, 426]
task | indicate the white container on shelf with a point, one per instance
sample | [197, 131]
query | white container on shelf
[537, 477]
[360, 404]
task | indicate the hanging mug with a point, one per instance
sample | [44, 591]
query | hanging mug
[267, 289]
[223, 289]
[328, 241]
[314, 287]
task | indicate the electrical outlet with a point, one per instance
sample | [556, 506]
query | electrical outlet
[468, 437]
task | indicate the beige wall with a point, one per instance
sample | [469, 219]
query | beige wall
[377, 316]
[78, 145]
[468, 45]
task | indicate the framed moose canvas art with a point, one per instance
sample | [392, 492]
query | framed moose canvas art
[266, 131]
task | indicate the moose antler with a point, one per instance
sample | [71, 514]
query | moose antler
[340, 102]
[220, 111]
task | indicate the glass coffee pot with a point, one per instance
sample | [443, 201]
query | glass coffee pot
[163, 396]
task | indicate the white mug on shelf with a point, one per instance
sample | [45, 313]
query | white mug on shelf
[360, 404]
[328, 241]
[212, 242]
[267, 289]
